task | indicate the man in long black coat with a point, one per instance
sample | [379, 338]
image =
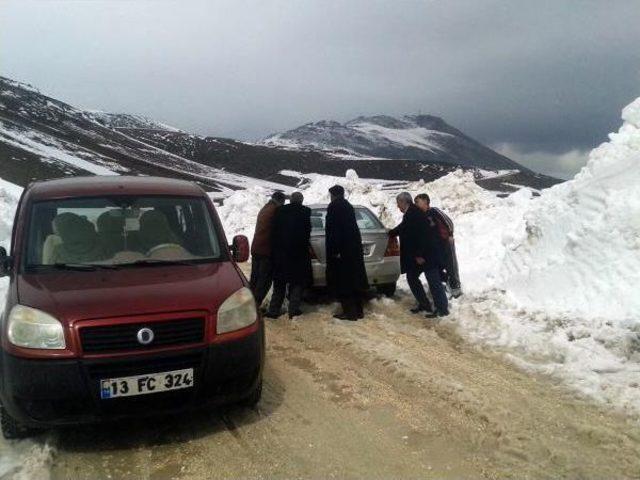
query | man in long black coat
[291, 257]
[346, 274]
[420, 251]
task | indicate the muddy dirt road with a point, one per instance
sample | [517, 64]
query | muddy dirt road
[391, 396]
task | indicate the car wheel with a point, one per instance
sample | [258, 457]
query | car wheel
[388, 289]
[11, 428]
[254, 398]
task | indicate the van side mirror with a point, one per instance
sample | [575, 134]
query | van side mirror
[240, 248]
[5, 262]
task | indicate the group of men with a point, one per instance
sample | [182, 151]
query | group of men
[281, 254]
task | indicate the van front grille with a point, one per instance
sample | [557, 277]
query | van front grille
[121, 337]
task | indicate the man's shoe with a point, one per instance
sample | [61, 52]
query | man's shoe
[421, 308]
[272, 315]
[456, 292]
[341, 316]
[443, 314]
[431, 315]
[297, 313]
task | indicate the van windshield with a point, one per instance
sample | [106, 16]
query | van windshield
[120, 231]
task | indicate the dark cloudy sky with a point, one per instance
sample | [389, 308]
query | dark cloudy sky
[543, 81]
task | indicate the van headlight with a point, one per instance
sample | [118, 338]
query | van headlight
[237, 311]
[31, 328]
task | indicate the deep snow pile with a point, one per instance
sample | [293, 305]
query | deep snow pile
[552, 281]
[561, 286]
[9, 195]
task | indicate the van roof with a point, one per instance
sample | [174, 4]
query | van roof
[97, 185]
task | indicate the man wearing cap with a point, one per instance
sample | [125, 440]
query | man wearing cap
[346, 274]
[261, 265]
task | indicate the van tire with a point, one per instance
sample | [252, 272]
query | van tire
[11, 428]
[387, 289]
[254, 397]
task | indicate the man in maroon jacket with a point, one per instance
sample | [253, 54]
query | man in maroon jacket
[261, 264]
[445, 229]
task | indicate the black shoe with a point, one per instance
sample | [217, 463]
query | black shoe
[297, 313]
[443, 314]
[421, 308]
[431, 315]
[272, 315]
[341, 316]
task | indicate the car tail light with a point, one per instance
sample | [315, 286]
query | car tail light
[393, 247]
[312, 253]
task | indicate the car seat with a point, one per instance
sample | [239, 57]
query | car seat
[111, 232]
[79, 240]
[158, 239]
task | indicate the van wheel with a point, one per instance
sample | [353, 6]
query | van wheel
[11, 428]
[255, 396]
[388, 289]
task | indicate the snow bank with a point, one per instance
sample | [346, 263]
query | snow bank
[9, 195]
[555, 280]
[24, 459]
[456, 192]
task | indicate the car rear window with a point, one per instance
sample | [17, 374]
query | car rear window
[123, 230]
[365, 218]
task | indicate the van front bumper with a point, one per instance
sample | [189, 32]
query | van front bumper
[59, 392]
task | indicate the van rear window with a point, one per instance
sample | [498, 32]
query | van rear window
[123, 230]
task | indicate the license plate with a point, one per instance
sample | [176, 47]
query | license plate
[145, 384]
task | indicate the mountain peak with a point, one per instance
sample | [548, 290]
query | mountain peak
[420, 137]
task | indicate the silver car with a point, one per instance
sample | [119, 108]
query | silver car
[381, 254]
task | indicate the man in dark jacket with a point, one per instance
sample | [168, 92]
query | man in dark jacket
[445, 232]
[291, 258]
[346, 275]
[420, 251]
[261, 266]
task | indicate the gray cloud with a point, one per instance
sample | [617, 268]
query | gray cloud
[544, 77]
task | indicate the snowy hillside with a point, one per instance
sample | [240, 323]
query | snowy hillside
[126, 120]
[551, 281]
[41, 138]
[424, 138]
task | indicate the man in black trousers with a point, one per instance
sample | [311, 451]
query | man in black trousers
[420, 251]
[291, 257]
[346, 274]
[445, 231]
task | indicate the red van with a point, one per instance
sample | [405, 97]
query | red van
[124, 299]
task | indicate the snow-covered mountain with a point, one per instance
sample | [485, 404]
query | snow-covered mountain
[416, 137]
[41, 138]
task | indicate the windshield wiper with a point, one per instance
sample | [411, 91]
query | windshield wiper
[83, 266]
[156, 261]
